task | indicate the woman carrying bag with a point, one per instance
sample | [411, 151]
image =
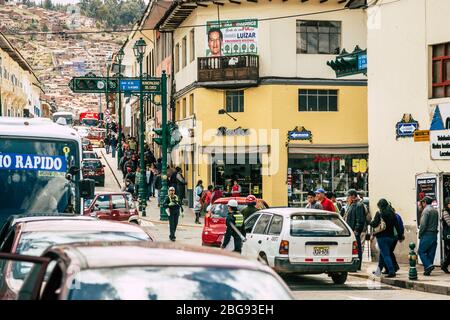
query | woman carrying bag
[383, 225]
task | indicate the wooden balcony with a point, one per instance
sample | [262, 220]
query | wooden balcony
[228, 71]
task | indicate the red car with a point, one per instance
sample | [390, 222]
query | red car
[87, 145]
[118, 206]
[215, 227]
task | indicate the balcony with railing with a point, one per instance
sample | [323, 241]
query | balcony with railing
[228, 71]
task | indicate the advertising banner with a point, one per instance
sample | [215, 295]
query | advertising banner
[426, 185]
[232, 37]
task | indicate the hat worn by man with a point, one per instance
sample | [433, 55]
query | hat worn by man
[320, 190]
[172, 188]
[352, 192]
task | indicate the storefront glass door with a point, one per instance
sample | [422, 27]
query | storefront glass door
[245, 168]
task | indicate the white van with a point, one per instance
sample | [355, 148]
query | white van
[304, 241]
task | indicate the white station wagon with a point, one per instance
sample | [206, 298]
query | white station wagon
[303, 241]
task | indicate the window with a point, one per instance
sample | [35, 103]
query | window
[250, 222]
[102, 203]
[304, 225]
[183, 109]
[184, 51]
[317, 100]
[276, 225]
[178, 110]
[192, 46]
[261, 226]
[318, 37]
[441, 70]
[177, 57]
[235, 101]
[118, 202]
[191, 104]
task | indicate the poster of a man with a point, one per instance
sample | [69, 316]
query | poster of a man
[215, 40]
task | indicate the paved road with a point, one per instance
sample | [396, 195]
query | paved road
[311, 287]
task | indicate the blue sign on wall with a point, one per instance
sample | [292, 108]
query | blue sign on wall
[300, 134]
[362, 61]
[130, 85]
[406, 127]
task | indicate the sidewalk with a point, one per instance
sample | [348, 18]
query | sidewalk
[438, 282]
[152, 209]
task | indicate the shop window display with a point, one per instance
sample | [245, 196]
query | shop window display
[337, 173]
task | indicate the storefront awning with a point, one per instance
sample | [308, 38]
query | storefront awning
[328, 149]
[234, 149]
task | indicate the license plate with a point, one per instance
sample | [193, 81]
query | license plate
[321, 251]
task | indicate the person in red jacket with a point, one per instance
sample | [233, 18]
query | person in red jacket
[326, 203]
[236, 189]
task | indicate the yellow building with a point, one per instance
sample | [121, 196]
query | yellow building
[19, 87]
[269, 79]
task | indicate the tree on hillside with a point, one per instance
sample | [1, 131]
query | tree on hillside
[48, 4]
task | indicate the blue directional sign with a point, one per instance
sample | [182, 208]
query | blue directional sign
[362, 61]
[406, 129]
[130, 85]
[299, 134]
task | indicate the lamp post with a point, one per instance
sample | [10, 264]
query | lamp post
[107, 98]
[120, 56]
[139, 51]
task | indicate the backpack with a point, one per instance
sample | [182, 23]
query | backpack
[400, 224]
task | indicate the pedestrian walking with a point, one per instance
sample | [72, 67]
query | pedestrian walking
[173, 207]
[384, 223]
[235, 227]
[206, 198]
[399, 236]
[236, 189]
[129, 187]
[113, 143]
[251, 206]
[149, 177]
[197, 197]
[132, 144]
[130, 175]
[428, 230]
[355, 217]
[324, 201]
[446, 235]
[312, 203]
[106, 141]
[139, 180]
[180, 184]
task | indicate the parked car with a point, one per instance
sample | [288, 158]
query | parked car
[90, 155]
[94, 169]
[304, 241]
[118, 206]
[146, 271]
[86, 144]
[32, 237]
[214, 227]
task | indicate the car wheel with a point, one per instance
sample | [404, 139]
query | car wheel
[339, 278]
[262, 257]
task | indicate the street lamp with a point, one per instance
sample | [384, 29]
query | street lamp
[120, 56]
[139, 51]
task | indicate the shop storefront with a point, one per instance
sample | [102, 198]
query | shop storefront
[243, 164]
[333, 168]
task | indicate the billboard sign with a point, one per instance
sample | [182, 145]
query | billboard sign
[231, 37]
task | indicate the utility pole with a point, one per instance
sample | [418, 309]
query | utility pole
[164, 146]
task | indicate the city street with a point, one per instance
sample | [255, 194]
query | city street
[304, 287]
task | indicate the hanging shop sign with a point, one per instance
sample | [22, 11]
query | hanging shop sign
[440, 144]
[223, 131]
[231, 37]
[300, 134]
[406, 127]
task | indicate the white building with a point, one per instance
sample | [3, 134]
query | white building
[409, 75]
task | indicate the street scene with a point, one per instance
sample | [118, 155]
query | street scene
[224, 150]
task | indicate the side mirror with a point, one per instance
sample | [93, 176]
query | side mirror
[87, 188]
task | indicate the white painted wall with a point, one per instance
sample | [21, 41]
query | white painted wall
[399, 36]
[276, 38]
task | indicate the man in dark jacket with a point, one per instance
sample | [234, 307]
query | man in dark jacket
[251, 206]
[356, 219]
[428, 230]
[235, 220]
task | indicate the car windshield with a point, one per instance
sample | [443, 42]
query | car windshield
[89, 155]
[92, 164]
[32, 176]
[89, 122]
[313, 225]
[221, 210]
[175, 283]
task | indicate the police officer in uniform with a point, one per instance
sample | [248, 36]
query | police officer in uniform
[235, 225]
